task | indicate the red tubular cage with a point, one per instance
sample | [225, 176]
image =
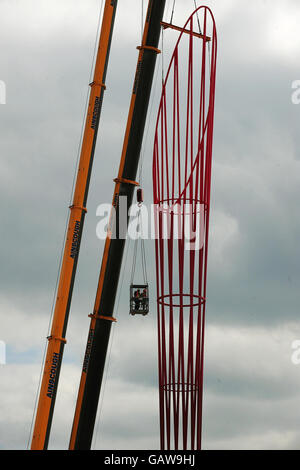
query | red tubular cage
[182, 161]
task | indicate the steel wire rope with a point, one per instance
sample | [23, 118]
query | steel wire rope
[135, 251]
[208, 43]
[95, 438]
[109, 352]
[150, 114]
[66, 227]
[173, 8]
[144, 266]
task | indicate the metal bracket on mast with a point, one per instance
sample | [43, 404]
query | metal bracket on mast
[57, 338]
[84, 209]
[95, 83]
[178, 28]
[149, 48]
[126, 181]
[102, 317]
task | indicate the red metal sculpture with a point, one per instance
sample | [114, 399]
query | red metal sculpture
[182, 161]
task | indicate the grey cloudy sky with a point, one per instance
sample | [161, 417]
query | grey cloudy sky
[252, 388]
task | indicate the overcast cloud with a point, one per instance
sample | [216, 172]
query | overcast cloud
[252, 388]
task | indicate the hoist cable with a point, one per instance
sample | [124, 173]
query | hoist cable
[144, 267]
[134, 261]
[172, 12]
[162, 57]
[142, 20]
[144, 262]
[66, 225]
[135, 252]
[197, 16]
[109, 352]
[149, 120]
[208, 42]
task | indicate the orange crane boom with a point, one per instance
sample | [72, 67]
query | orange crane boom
[55, 347]
[125, 184]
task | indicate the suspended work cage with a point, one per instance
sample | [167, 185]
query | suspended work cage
[139, 299]
[139, 293]
[182, 162]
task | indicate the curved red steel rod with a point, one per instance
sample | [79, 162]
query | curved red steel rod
[182, 162]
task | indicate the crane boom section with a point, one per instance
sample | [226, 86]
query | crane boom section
[102, 317]
[55, 347]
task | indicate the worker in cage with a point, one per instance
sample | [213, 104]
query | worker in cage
[144, 296]
[137, 299]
